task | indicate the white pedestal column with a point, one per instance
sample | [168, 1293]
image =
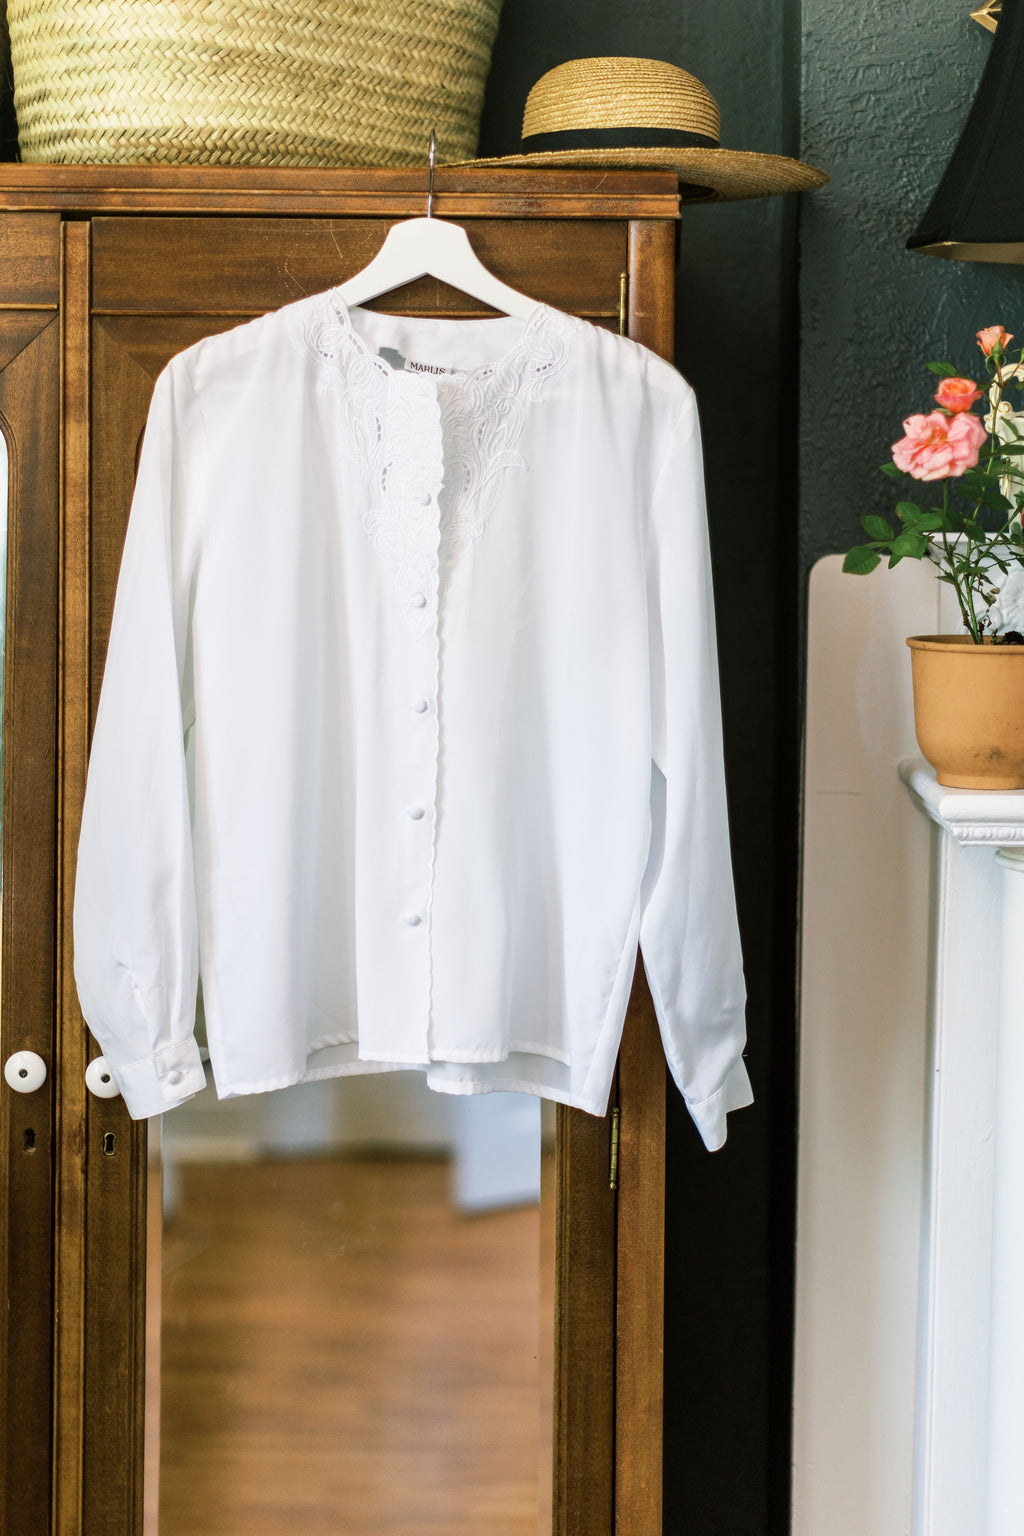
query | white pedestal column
[956, 1219]
[969, 1472]
[1004, 1513]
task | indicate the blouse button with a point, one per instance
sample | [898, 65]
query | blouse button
[425, 499]
[421, 706]
[419, 601]
[174, 1077]
[416, 813]
[413, 920]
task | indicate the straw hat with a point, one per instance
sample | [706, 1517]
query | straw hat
[643, 112]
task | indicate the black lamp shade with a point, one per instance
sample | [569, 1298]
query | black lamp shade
[977, 213]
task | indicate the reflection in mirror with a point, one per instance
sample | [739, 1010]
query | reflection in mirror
[350, 1313]
[4, 489]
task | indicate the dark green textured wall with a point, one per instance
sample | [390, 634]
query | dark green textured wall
[886, 90]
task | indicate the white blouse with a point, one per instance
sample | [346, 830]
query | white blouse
[409, 730]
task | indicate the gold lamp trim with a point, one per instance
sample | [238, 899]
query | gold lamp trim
[988, 14]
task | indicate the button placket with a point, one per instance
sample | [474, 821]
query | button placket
[419, 596]
[416, 811]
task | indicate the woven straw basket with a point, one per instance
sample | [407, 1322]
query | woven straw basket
[247, 82]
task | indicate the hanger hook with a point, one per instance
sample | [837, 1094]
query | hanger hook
[431, 158]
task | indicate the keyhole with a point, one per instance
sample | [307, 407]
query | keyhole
[109, 1144]
[23, 1072]
[30, 1141]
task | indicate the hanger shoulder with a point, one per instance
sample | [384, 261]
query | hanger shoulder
[434, 247]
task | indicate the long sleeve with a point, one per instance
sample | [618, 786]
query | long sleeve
[135, 929]
[689, 935]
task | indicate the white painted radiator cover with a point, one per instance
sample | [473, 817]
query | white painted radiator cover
[909, 1408]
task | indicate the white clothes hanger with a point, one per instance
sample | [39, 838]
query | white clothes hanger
[432, 246]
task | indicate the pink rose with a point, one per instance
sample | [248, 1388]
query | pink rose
[957, 394]
[937, 447]
[993, 336]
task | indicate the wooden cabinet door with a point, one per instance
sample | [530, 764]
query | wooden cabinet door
[29, 1122]
[138, 290]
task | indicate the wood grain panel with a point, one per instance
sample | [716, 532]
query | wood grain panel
[72, 731]
[584, 1327]
[29, 413]
[640, 1271]
[151, 342]
[248, 266]
[113, 1429]
[489, 192]
[651, 315]
[30, 261]
[18, 329]
[640, 1237]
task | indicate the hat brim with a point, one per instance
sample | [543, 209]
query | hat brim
[715, 175]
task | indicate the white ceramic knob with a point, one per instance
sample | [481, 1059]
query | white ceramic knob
[25, 1071]
[100, 1080]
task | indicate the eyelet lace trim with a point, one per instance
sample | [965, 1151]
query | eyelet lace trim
[414, 446]
[482, 416]
[391, 433]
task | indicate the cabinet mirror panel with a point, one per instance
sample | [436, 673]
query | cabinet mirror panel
[350, 1313]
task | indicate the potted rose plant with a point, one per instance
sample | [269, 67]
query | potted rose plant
[968, 688]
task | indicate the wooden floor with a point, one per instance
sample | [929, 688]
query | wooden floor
[345, 1355]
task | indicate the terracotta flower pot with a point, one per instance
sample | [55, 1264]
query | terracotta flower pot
[969, 710]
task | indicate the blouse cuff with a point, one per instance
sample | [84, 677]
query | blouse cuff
[709, 1115]
[161, 1082]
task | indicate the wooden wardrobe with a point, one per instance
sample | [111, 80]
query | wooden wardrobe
[105, 273]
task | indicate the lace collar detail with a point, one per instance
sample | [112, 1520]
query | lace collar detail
[545, 336]
[433, 451]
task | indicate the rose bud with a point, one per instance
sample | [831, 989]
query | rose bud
[957, 394]
[993, 336]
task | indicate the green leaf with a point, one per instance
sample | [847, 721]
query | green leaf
[894, 559]
[1007, 448]
[930, 522]
[912, 544]
[891, 470]
[860, 560]
[908, 511]
[1017, 535]
[876, 527]
[945, 369]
